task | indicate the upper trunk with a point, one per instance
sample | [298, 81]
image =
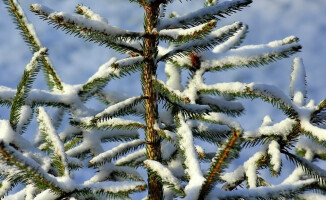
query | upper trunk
[153, 147]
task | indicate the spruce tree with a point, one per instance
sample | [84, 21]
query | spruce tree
[168, 118]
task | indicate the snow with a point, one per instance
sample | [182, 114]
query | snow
[274, 151]
[223, 119]
[221, 103]
[191, 160]
[163, 172]
[232, 41]
[176, 166]
[33, 166]
[250, 167]
[173, 77]
[266, 192]
[233, 177]
[312, 196]
[112, 109]
[294, 176]
[283, 128]
[115, 187]
[32, 66]
[308, 144]
[175, 33]
[202, 126]
[104, 71]
[30, 192]
[194, 85]
[25, 116]
[268, 92]
[298, 26]
[90, 14]
[304, 116]
[82, 22]
[46, 194]
[267, 121]
[114, 152]
[135, 155]
[5, 186]
[112, 122]
[249, 55]
[7, 134]
[30, 26]
[200, 15]
[128, 62]
[17, 196]
[50, 134]
[168, 149]
[298, 89]
[201, 44]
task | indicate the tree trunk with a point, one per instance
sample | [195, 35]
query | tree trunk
[153, 147]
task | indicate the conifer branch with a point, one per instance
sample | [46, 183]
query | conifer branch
[73, 142]
[122, 47]
[318, 116]
[165, 176]
[210, 132]
[110, 189]
[173, 95]
[189, 110]
[188, 152]
[89, 13]
[251, 56]
[222, 119]
[233, 108]
[203, 15]
[6, 186]
[53, 142]
[29, 35]
[224, 155]
[91, 30]
[134, 159]
[118, 135]
[267, 93]
[24, 87]
[185, 35]
[309, 168]
[28, 169]
[107, 124]
[211, 2]
[284, 191]
[126, 174]
[216, 37]
[128, 63]
[119, 109]
[36, 97]
[99, 80]
[171, 156]
[285, 132]
[24, 119]
[116, 152]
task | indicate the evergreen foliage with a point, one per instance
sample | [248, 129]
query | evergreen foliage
[164, 129]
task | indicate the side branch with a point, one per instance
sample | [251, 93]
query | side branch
[218, 164]
[29, 35]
